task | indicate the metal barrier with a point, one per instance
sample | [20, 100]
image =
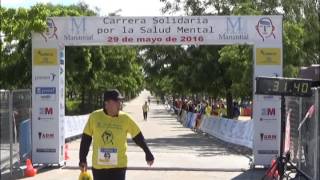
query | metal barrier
[304, 142]
[25, 140]
[4, 120]
[15, 107]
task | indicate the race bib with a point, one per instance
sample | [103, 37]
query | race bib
[108, 156]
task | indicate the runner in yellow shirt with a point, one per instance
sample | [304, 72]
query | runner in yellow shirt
[108, 128]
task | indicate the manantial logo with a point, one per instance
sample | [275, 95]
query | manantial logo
[265, 28]
[51, 31]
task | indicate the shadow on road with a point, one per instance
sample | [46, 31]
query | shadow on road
[203, 144]
[256, 174]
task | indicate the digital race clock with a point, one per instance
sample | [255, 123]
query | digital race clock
[283, 86]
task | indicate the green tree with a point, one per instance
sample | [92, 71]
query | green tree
[89, 70]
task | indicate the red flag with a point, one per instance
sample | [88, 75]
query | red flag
[311, 111]
[309, 114]
[287, 135]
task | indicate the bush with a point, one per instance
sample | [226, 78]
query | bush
[73, 107]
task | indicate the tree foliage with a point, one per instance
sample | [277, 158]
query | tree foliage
[89, 70]
[227, 71]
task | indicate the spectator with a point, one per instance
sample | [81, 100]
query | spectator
[236, 110]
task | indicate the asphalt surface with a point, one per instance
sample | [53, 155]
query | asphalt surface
[180, 153]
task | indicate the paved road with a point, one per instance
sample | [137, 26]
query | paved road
[179, 152]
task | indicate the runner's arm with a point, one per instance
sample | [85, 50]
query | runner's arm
[140, 141]
[84, 148]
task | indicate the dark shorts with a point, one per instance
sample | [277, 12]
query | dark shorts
[109, 174]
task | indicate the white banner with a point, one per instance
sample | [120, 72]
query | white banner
[266, 137]
[171, 30]
[266, 108]
[229, 130]
[47, 101]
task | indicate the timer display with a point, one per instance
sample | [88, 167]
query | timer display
[283, 86]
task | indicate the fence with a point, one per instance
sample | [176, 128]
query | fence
[304, 145]
[15, 115]
[228, 130]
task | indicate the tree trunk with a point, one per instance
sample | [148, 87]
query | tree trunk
[90, 104]
[82, 100]
[229, 104]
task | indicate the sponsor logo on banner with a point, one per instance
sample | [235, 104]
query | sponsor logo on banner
[61, 70]
[45, 90]
[45, 93]
[50, 77]
[45, 118]
[268, 56]
[61, 56]
[236, 29]
[46, 111]
[268, 114]
[51, 31]
[268, 111]
[268, 151]
[265, 28]
[78, 30]
[267, 137]
[43, 135]
[268, 97]
[46, 150]
[45, 56]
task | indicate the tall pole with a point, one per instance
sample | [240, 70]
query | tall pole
[11, 130]
[282, 136]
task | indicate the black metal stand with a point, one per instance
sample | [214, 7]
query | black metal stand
[282, 162]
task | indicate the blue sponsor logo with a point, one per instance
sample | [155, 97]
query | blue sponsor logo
[61, 54]
[45, 90]
[61, 70]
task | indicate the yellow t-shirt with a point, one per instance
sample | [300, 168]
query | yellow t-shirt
[208, 110]
[109, 137]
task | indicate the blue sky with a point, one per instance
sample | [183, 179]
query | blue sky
[128, 7]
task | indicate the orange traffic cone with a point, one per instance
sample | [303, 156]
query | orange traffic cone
[273, 171]
[29, 171]
[66, 149]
